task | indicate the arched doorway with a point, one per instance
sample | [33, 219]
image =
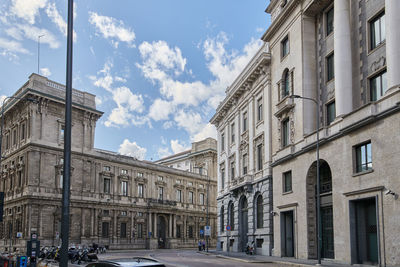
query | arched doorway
[326, 211]
[243, 223]
[162, 231]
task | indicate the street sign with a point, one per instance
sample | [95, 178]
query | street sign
[228, 228]
[207, 230]
[201, 232]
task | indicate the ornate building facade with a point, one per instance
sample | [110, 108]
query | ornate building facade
[117, 201]
[244, 156]
[333, 64]
[344, 57]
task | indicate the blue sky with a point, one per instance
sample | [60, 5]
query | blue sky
[158, 68]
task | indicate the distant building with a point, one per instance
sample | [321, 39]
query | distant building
[117, 201]
[201, 159]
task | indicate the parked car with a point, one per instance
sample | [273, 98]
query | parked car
[128, 262]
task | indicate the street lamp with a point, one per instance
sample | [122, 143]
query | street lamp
[1, 141]
[319, 236]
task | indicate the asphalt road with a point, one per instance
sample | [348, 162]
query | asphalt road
[183, 258]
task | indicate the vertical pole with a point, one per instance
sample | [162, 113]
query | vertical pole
[208, 185]
[67, 143]
[319, 237]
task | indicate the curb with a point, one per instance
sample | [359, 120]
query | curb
[242, 260]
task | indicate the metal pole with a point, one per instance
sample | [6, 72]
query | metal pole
[318, 192]
[39, 53]
[208, 185]
[67, 144]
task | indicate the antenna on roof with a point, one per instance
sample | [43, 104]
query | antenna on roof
[38, 48]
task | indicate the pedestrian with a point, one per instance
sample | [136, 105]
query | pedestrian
[204, 245]
[199, 244]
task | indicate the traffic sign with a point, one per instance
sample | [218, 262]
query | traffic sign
[228, 228]
[207, 230]
[201, 232]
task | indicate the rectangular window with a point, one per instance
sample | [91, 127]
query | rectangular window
[233, 133]
[363, 157]
[222, 178]
[377, 29]
[60, 180]
[140, 190]
[259, 109]
[244, 121]
[189, 183]
[285, 132]
[191, 197]
[123, 213]
[161, 193]
[107, 168]
[140, 174]
[105, 229]
[244, 164]
[285, 46]
[378, 86]
[123, 230]
[7, 141]
[330, 112]
[124, 172]
[287, 181]
[62, 129]
[14, 137]
[160, 178]
[140, 230]
[124, 188]
[107, 185]
[329, 21]
[330, 67]
[222, 142]
[140, 214]
[23, 131]
[179, 195]
[232, 170]
[201, 198]
[259, 157]
[178, 181]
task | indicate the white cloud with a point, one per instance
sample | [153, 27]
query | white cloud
[112, 28]
[45, 72]
[190, 121]
[177, 147]
[132, 149]
[98, 100]
[160, 110]
[57, 19]
[12, 46]
[27, 9]
[168, 124]
[163, 152]
[124, 96]
[207, 131]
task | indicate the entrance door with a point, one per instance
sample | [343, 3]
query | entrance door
[161, 226]
[287, 235]
[366, 235]
[327, 232]
[244, 224]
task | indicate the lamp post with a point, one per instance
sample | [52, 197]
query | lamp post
[1, 143]
[319, 235]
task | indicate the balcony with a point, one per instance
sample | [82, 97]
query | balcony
[283, 106]
[156, 202]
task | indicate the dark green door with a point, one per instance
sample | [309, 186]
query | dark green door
[327, 232]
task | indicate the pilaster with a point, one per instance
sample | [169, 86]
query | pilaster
[392, 42]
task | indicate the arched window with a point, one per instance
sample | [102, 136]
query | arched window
[232, 216]
[286, 83]
[221, 218]
[260, 212]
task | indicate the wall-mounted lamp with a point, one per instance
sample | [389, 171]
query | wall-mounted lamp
[273, 213]
[390, 192]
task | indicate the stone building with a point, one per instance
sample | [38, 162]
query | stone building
[244, 196]
[345, 56]
[116, 201]
[201, 159]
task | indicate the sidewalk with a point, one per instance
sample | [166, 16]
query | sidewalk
[241, 256]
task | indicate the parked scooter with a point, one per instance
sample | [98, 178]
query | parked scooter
[250, 248]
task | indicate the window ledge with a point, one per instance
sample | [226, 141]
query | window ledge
[288, 192]
[362, 173]
[259, 122]
[372, 50]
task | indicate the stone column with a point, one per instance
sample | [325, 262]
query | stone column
[342, 58]
[150, 225]
[310, 79]
[174, 229]
[170, 226]
[237, 143]
[392, 42]
[155, 225]
[252, 114]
